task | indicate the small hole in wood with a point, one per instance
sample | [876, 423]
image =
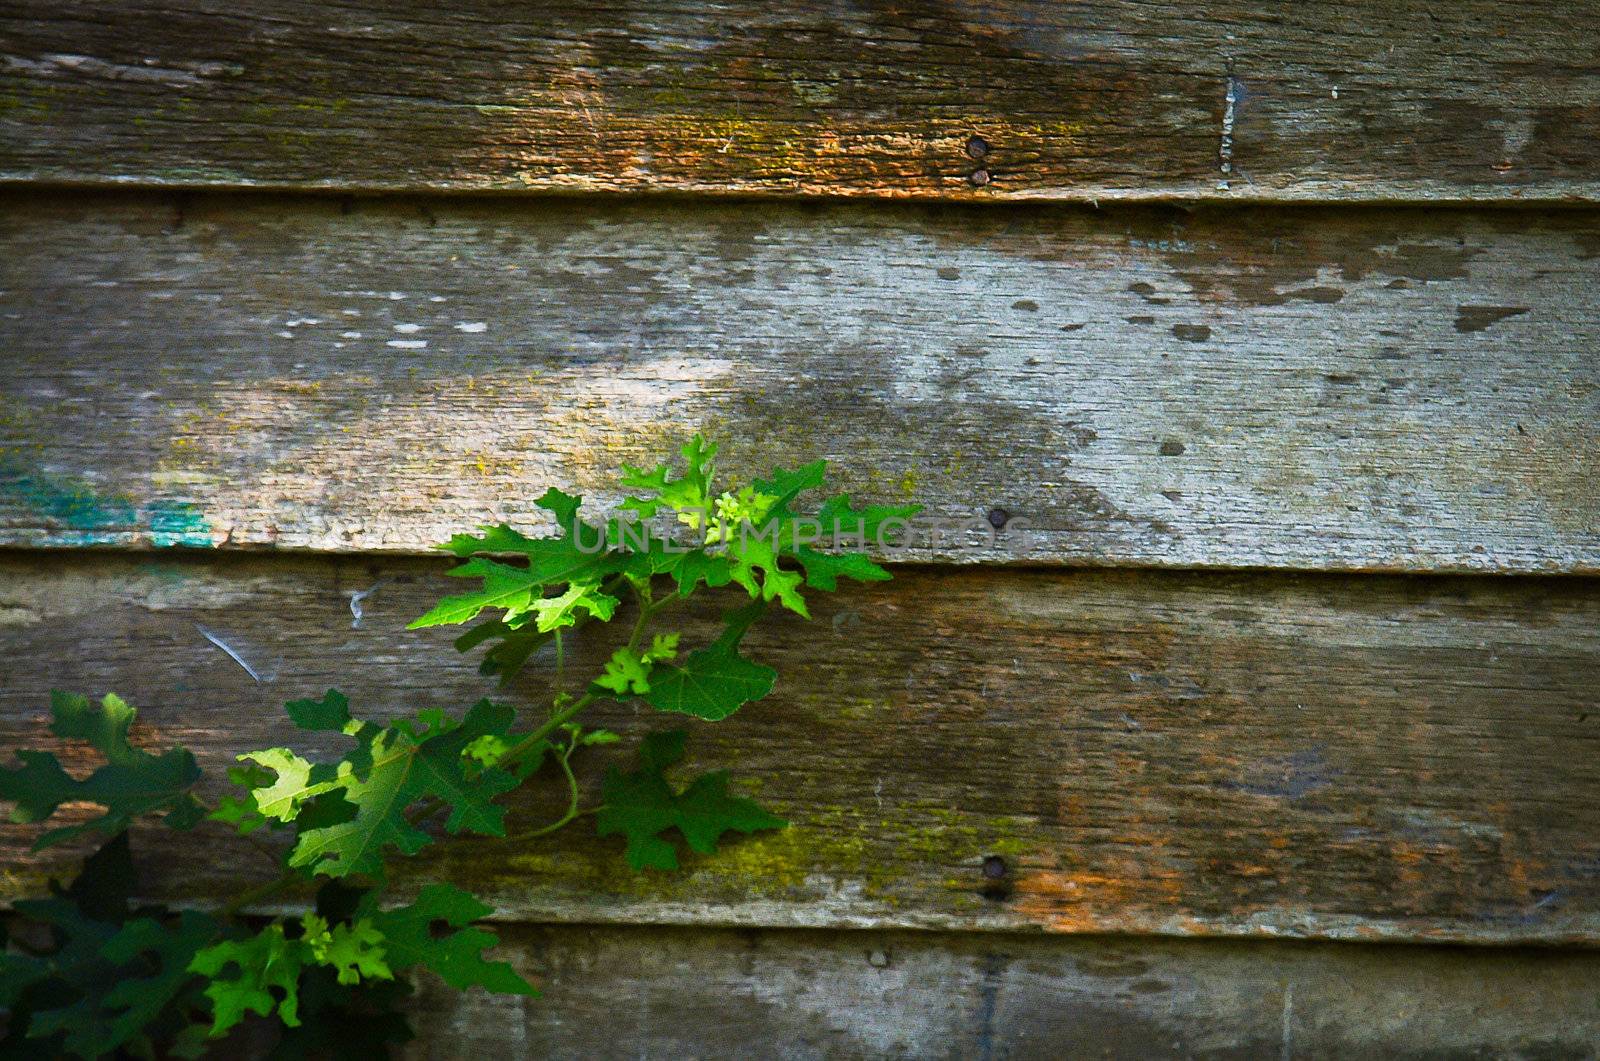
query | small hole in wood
[997, 885]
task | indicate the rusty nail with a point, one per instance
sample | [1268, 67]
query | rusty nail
[979, 177]
[994, 867]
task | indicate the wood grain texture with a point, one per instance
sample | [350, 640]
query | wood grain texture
[652, 993]
[1191, 754]
[1394, 390]
[1250, 100]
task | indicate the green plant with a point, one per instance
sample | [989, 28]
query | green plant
[89, 974]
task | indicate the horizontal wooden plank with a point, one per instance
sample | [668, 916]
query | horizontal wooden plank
[1360, 100]
[1184, 753]
[1396, 390]
[652, 993]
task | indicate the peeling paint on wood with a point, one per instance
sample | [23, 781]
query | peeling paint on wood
[1268, 388]
[1189, 754]
[1363, 100]
[78, 515]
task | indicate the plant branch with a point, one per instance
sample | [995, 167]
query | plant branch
[258, 893]
[563, 761]
[561, 664]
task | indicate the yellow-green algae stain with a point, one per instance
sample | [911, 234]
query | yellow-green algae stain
[904, 861]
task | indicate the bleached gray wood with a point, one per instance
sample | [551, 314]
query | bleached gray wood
[1392, 390]
[635, 993]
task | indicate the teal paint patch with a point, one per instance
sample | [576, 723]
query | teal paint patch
[87, 517]
[177, 523]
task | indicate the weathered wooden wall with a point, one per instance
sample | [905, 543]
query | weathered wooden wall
[1272, 328]
[1353, 100]
[1394, 389]
[1204, 754]
[777, 994]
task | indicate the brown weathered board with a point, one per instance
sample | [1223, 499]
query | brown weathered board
[632, 993]
[1362, 100]
[1183, 753]
[1386, 389]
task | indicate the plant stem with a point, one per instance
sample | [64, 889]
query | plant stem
[561, 664]
[644, 615]
[572, 803]
[561, 823]
[648, 609]
[259, 892]
[531, 741]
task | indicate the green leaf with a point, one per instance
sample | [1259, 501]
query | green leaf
[823, 570]
[338, 1019]
[688, 496]
[291, 783]
[504, 541]
[575, 556]
[563, 506]
[753, 554]
[642, 805]
[170, 948]
[840, 521]
[403, 770]
[496, 540]
[626, 672]
[511, 588]
[112, 982]
[73, 975]
[262, 963]
[508, 657]
[131, 783]
[270, 961]
[410, 940]
[242, 811]
[785, 486]
[662, 647]
[354, 951]
[515, 589]
[698, 566]
[551, 613]
[18, 973]
[714, 681]
[331, 713]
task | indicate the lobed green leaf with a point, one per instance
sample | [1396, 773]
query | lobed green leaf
[132, 781]
[643, 805]
[410, 939]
